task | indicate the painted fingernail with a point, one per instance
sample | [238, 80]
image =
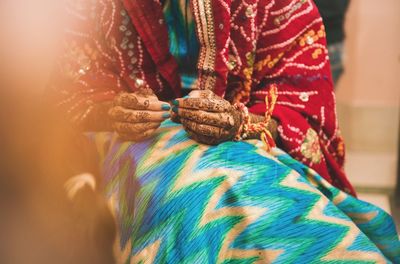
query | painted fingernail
[175, 109]
[165, 107]
[187, 96]
[166, 115]
[175, 102]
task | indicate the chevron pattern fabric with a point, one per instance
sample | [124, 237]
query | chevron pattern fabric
[177, 201]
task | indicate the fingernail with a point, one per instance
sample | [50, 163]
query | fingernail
[166, 115]
[175, 102]
[165, 107]
[187, 96]
[175, 109]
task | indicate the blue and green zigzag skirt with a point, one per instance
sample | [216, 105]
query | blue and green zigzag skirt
[177, 201]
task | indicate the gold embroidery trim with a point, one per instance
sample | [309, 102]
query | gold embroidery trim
[205, 30]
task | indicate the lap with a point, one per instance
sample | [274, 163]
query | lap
[234, 201]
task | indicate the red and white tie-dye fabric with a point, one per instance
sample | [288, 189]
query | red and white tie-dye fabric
[245, 47]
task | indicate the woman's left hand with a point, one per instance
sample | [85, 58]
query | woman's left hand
[207, 118]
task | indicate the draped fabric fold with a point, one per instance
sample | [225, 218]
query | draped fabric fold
[246, 47]
[177, 201]
[154, 34]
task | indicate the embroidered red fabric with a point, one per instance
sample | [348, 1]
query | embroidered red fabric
[246, 48]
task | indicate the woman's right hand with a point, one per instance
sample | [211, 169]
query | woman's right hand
[136, 116]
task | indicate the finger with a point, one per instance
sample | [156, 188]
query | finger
[137, 102]
[205, 130]
[224, 120]
[202, 94]
[137, 137]
[201, 138]
[208, 104]
[121, 114]
[135, 129]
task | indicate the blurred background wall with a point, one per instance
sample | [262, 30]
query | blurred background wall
[368, 94]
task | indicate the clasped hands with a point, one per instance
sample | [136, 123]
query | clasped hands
[206, 117]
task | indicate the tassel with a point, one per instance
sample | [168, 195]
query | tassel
[270, 102]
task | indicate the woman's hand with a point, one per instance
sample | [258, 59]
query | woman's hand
[207, 118]
[137, 116]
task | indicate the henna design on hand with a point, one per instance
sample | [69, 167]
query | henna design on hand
[135, 101]
[142, 116]
[137, 115]
[121, 114]
[138, 128]
[203, 139]
[224, 120]
[131, 101]
[209, 118]
[206, 130]
[207, 104]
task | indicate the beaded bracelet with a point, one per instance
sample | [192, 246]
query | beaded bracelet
[270, 101]
[262, 127]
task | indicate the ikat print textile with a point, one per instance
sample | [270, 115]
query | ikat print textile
[245, 48]
[177, 201]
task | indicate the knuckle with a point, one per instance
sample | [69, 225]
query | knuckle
[190, 125]
[142, 116]
[182, 113]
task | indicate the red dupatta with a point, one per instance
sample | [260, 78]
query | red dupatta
[280, 43]
[246, 47]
